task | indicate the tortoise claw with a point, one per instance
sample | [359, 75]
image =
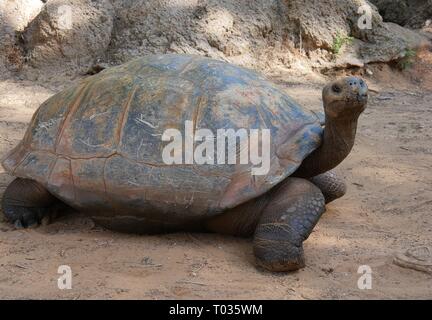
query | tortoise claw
[23, 217]
[18, 225]
[45, 220]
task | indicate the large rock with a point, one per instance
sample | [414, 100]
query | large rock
[409, 13]
[14, 16]
[251, 33]
[257, 34]
[260, 34]
[320, 23]
[69, 32]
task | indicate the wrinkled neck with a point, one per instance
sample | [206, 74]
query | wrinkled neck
[338, 140]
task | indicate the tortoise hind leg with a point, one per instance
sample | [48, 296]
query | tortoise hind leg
[26, 202]
[292, 212]
[331, 185]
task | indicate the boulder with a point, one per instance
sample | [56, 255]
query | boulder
[69, 32]
[267, 35]
[14, 16]
[408, 13]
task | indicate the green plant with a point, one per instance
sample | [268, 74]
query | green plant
[407, 60]
[339, 41]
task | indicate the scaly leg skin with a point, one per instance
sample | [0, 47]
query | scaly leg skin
[240, 221]
[331, 185]
[26, 202]
[293, 210]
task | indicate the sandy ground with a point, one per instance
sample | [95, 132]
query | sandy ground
[386, 210]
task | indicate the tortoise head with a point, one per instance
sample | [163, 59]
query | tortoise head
[344, 101]
[345, 98]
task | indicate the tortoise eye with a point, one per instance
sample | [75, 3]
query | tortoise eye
[336, 88]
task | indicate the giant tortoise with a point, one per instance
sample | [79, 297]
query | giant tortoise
[97, 147]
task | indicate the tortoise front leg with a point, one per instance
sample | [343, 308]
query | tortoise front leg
[25, 202]
[331, 185]
[292, 212]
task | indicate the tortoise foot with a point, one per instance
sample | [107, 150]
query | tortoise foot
[26, 203]
[22, 217]
[288, 219]
[277, 256]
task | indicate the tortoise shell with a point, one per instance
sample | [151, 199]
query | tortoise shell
[97, 146]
